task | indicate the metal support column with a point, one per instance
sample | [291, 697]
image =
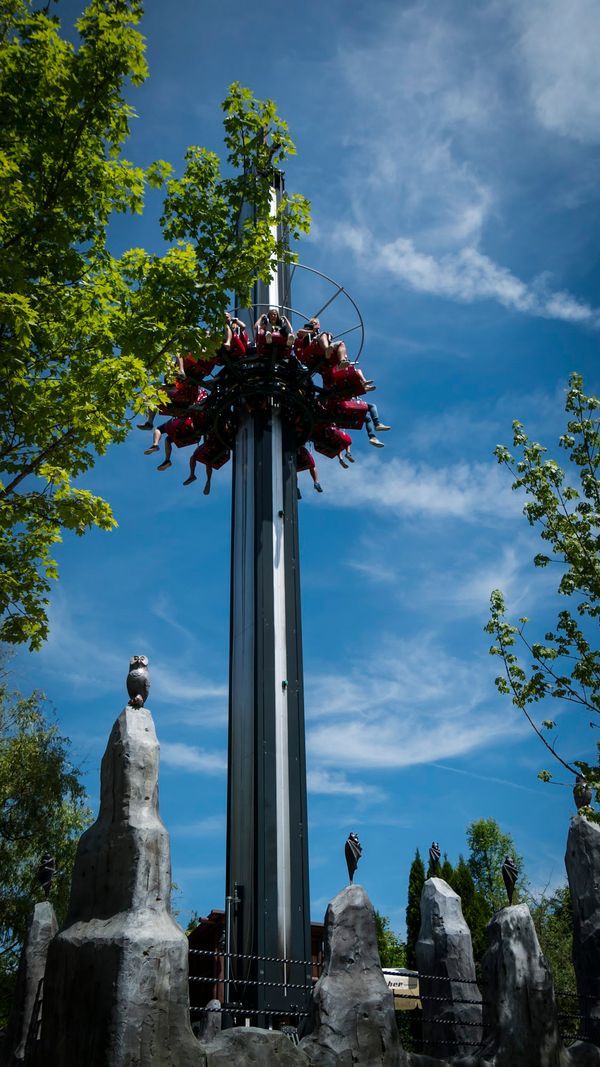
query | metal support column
[267, 854]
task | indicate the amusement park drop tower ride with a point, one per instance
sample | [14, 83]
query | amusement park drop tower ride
[267, 913]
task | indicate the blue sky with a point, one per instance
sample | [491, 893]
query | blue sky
[450, 152]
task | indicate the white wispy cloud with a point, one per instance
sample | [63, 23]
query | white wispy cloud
[434, 128]
[466, 275]
[457, 585]
[87, 660]
[206, 827]
[471, 492]
[173, 683]
[191, 758]
[486, 778]
[559, 47]
[464, 589]
[412, 96]
[331, 783]
[412, 702]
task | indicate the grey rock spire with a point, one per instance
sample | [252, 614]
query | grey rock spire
[116, 988]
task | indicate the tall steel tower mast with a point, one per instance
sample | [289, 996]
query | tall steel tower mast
[267, 854]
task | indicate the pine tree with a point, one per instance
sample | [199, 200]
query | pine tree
[446, 870]
[416, 881]
[475, 908]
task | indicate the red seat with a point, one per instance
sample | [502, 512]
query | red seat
[308, 352]
[181, 395]
[197, 369]
[200, 420]
[329, 440]
[212, 453]
[304, 460]
[239, 345]
[345, 379]
[350, 414]
[181, 431]
[279, 342]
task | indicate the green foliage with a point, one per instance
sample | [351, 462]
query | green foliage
[565, 666]
[488, 848]
[480, 886]
[416, 881]
[475, 908]
[193, 922]
[392, 951]
[446, 870]
[42, 809]
[553, 918]
[85, 336]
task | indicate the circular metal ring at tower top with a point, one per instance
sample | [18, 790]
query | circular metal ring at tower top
[348, 324]
[307, 374]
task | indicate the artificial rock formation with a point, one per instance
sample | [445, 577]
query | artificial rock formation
[352, 1010]
[519, 1011]
[32, 965]
[452, 1023]
[248, 1046]
[209, 1022]
[582, 861]
[116, 990]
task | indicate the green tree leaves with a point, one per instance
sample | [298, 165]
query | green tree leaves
[564, 505]
[488, 848]
[86, 338]
[392, 951]
[42, 809]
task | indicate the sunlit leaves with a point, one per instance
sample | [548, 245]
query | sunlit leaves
[564, 505]
[87, 339]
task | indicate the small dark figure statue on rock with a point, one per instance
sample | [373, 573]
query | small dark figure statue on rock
[138, 681]
[46, 872]
[510, 874]
[582, 793]
[353, 852]
[434, 858]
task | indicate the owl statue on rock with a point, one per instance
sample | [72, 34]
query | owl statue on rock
[138, 681]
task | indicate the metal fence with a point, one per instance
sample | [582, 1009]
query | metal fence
[417, 1026]
[228, 988]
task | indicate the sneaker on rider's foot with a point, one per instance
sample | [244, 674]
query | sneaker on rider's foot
[164, 465]
[149, 451]
[145, 426]
[290, 339]
[376, 442]
[318, 487]
[190, 479]
[380, 426]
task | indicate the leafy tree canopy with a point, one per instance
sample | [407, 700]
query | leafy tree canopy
[392, 951]
[565, 507]
[488, 848]
[553, 918]
[86, 336]
[42, 809]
